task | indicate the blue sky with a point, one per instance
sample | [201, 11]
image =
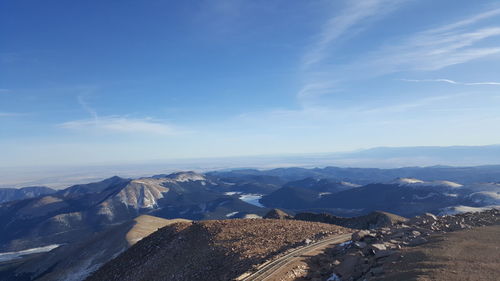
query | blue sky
[86, 82]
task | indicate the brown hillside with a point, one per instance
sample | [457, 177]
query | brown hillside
[463, 255]
[210, 250]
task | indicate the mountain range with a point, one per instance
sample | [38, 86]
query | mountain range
[379, 157]
[11, 194]
[89, 224]
[80, 210]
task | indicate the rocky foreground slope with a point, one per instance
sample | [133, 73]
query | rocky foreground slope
[379, 254]
[469, 255]
[210, 250]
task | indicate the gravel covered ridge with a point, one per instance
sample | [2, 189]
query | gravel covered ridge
[211, 250]
[371, 252]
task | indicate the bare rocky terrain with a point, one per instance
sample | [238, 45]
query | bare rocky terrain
[426, 247]
[472, 254]
[211, 250]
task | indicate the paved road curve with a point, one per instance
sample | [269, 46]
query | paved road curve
[267, 269]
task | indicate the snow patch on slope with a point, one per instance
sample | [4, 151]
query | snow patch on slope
[142, 193]
[252, 199]
[231, 214]
[407, 181]
[187, 176]
[7, 256]
[466, 209]
[486, 197]
[417, 182]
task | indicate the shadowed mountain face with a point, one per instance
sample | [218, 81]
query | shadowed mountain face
[295, 198]
[12, 194]
[81, 210]
[463, 175]
[372, 220]
[260, 184]
[403, 200]
[77, 260]
[322, 185]
[407, 199]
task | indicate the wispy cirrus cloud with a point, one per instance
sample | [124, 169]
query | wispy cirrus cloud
[9, 114]
[355, 15]
[119, 124]
[351, 20]
[87, 107]
[449, 81]
[459, 42]
[437, 48]
[122, 125]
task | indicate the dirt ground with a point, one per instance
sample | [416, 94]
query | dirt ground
[463, 255]
[211, 250]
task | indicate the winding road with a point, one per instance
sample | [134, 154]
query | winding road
[267, 269]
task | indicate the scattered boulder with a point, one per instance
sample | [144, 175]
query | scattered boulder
[383, 254]
[378, 247]
[429, 216]
[415, 233]
[358, 235]
[360, 245]
[417, 241]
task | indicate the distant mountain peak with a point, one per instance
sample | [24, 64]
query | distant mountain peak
[142, 193]
[186, 176]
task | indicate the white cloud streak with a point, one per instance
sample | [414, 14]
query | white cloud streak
[122, 125]
[437, 48]
[449, 81]
[433, 49]
[9, 114]
[118, 124]
[353, 18]
[87, 108]
[468, 21]
[353, 15]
